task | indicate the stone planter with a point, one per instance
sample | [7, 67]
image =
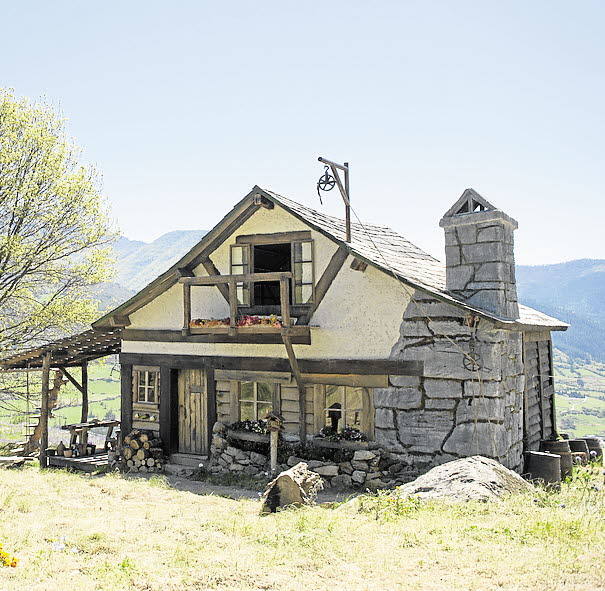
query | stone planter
[327, 444]
[248, 436]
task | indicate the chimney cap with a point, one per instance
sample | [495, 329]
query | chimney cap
[472, 207]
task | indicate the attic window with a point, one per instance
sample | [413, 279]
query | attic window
[470, 206]
[291, 252]
[269, 258]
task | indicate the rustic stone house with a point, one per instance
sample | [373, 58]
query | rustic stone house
[429, 362]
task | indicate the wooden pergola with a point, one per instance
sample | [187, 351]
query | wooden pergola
[62, 355]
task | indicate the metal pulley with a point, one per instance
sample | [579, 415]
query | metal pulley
[326, 182]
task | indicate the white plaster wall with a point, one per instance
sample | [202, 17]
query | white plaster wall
[359, 317]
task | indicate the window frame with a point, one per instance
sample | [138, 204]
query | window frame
[367, 409]
[145, 372]
[274, 404]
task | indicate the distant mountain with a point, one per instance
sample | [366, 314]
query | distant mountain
[573, 292]
[138, 263]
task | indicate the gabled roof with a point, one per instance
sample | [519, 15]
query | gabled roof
[379, 246]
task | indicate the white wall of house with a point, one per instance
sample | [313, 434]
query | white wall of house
[359, 317]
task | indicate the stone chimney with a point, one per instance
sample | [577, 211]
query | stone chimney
[479, 255]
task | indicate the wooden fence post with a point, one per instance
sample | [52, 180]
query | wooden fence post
[44, 411]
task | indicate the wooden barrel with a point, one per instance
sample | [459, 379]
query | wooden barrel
[579, 458]
[543, 466]
[594, 445]
[561, 448]
[579, 446]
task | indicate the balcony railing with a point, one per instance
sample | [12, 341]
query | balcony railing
[232, 282]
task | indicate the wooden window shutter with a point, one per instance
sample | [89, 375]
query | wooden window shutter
[240, 265]
[135, 385]
[303, 272]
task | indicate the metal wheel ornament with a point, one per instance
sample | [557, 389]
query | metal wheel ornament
[326, 182]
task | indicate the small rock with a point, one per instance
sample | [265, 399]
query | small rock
[395, 468]
[358, 476]
[296, 486]
[358, 465]
[342, 481]
[315, 464]
[328, 470]
[250, 470]
[293, 460]
[346, 467]
[364, 454]
[232, 451]
[218, 427]
[236, 468]
[258, 459]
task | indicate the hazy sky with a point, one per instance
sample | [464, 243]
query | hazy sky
[184, 106]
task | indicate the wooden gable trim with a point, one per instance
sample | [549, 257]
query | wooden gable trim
[274, 238]
[209, 243]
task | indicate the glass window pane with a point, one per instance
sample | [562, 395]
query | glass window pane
[354, 398]
[353, 418]
[306, 251]
[241, 294]
[246, 391]
[141, 394]
[237, 256]
[141, 380]
[306, 292]
[307, 273]
[246, 411]
[150, 395]
[298, 294]
[151, 375]
[263, 409]
[264, 392]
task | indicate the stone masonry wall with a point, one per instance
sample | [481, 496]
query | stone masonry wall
[480, 261]
[455, 409]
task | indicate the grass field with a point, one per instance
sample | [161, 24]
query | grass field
[110, 532]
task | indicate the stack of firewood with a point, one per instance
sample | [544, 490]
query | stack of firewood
[142, 452]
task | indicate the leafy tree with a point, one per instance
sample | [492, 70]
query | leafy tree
[54, 228]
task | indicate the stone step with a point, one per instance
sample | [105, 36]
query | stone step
[188, 460]
[176, 469]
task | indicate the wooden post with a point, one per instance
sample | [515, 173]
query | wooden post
[274, 438]
[186, 308]
[347, 204]
[553, 408]
[84, 392]
[284, 297]
[44, 410]
[232, 308]
[126, 399]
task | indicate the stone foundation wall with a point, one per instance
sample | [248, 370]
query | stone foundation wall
[367, 469]
[457, 408]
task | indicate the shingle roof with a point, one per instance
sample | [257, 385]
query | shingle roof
[391, 252]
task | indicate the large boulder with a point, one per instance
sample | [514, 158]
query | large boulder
[296, 486]
[467, 479]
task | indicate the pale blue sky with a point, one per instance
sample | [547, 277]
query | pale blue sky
[184, 106]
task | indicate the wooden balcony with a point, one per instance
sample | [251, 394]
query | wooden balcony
[231, 282]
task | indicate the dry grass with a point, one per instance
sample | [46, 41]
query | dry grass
[142, 535]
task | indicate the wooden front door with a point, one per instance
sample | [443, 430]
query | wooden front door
[193, 412]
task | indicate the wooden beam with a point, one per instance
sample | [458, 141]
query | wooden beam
[358, 265]
[210, 404]
[232, 308]
[73, 380]
[274, 238]
[394, 367]
[284, 300]
[541, 394]
[241, 278]
[302, 392]
[325, 281]
[553, 409]
[186, 308]
[185, 272]
[211, 269]
[84, 392]
[301, 335]
[44, 410]
[125, 398]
